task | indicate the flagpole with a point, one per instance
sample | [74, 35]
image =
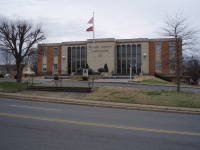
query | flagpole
[93, 45]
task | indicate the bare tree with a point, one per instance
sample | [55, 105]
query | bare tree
[8, 60]
[33, 59]
[192, 68]
[184, 36]
[17, 37]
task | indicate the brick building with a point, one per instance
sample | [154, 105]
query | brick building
[146, 56]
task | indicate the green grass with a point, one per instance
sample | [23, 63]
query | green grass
[12, 87]
[153, 81]
[147, 97]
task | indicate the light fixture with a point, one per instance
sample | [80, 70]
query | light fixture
[145, 54]
[63, 57]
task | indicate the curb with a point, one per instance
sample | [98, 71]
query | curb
[104, 104]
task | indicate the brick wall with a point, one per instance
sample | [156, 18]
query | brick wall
[39, 62]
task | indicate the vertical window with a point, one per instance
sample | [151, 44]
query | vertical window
[69, 60]
[73, 59]
[134, 58]
[158, 49]
[118, 59]
[172, 65]
[158, 66]
[171, 48]
[55, 52]
[128, 58]
[139, 61]
[124, 59]
[45, 52]
[44, 68]
[78, 57]
[55, 66]
[82, 57]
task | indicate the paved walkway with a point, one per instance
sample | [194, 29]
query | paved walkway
[113, 80]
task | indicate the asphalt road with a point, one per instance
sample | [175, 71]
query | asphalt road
[26, 125]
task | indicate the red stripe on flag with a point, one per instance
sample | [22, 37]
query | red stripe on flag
[90, 29]
[90, 21]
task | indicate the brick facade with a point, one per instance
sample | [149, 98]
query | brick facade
[106, 52]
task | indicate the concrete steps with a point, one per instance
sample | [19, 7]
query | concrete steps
[119, 77]
[60, 89]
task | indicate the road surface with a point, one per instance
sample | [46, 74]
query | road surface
[46, 126]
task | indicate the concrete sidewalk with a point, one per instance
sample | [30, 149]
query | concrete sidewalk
[76, 99]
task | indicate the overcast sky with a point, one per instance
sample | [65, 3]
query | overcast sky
[66, 20]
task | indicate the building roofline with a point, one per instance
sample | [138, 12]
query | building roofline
[108, 40]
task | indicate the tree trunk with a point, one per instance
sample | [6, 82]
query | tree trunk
[19, 71]
[178, 67]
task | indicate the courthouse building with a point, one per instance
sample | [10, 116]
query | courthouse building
[146, 56]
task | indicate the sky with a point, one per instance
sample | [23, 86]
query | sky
[66, 20]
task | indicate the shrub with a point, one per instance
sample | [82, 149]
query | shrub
[80, 70]
[90, 70]
[158, 75]
[1, 76]
[101, 70]
[15, 76]
[84, 78]
[106, 68]
[56, 78]
[87, 66]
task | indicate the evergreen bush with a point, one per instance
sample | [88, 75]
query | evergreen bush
[106, 68]
[158, 75]
[84, 78]
[56, 78]
[101, 70]
[1, 75]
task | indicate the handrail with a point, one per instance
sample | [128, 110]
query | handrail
[58, 81]
[29, 80]
[91, 82]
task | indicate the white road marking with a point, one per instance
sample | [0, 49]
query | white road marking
[34, 107]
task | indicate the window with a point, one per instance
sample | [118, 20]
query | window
[157, 48]
[172, 48]
[45, 52]
[55, 52]
[172, 65]
[55, 66]
[44, 67]
[118, 59]
[158, 66]
[139, 60]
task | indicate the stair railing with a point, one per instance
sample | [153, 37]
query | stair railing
[57, 82]
[91, 83]
[30, 80]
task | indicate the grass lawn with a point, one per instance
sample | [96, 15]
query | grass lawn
[148, 97]
[154, 81]
[12, 87]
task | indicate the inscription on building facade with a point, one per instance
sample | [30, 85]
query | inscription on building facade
[103, 48]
